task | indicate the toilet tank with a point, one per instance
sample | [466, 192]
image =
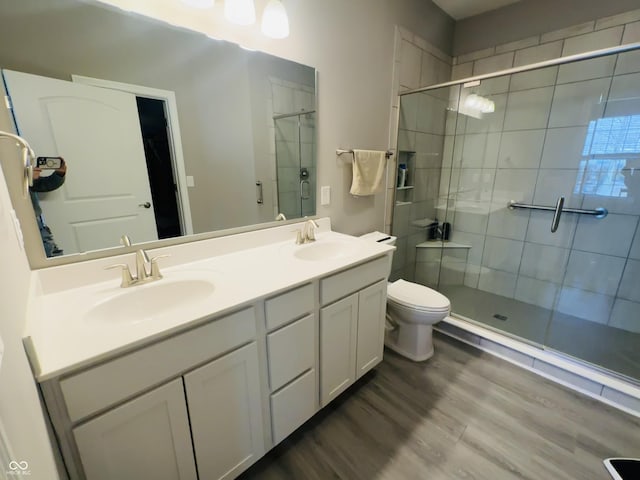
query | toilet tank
[381, 237]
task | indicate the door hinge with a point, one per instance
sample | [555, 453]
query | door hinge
[7, 102]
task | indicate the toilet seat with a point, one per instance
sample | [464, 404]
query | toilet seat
[417, 297]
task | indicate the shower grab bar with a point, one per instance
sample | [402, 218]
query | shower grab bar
[599, 212]
[557, 214]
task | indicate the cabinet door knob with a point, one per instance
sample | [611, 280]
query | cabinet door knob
[145, 204]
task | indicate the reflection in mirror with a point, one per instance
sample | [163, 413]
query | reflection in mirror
[163, 131]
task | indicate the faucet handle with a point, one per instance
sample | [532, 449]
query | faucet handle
[309, 232]
[155, 269]
[127, 278]
[299, 236]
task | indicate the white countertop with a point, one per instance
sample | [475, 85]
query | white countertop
[63, 338]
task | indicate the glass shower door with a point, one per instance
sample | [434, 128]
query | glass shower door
[596, 136]
[295, 166]
[570, 131]
[486, 164]
[495, 149]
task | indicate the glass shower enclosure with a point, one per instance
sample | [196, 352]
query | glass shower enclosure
[524, 203]
[295, 168]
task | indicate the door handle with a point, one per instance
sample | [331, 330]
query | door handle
[557, 214]
[145, 204]
[260, 193]
[304, 196]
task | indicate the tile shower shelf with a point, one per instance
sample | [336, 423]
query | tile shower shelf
[441, 244]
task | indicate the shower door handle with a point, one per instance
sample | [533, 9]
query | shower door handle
[302, 185]
[260, 193]
[556, 216]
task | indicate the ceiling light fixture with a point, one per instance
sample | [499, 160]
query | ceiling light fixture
[240, 12]
[480, 103]
[275, 22]
[199, 3]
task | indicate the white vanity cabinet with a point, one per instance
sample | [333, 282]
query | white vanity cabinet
[292, 359]
[151, 437]
[338, 343]
[352, 328]
[207, 402]
[144, 414]
[225, 408]
[147, 437]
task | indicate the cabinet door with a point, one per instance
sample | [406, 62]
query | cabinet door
[147, 437]
[372, 303]
[225, 406]
[338, 331]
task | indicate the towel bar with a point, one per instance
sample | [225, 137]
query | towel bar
[339, 152]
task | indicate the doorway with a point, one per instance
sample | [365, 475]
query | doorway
[157, 151]
[161, 105]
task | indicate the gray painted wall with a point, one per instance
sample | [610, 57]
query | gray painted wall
[528, 18]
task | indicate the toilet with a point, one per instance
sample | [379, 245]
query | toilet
[412, 310]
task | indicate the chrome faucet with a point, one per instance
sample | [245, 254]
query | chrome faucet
[143, 274]
[307, 233]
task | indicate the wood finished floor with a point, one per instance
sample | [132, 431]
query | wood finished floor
[464, 414]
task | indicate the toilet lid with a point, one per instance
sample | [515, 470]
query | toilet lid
[417, 296]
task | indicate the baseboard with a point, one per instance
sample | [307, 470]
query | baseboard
[574, 375]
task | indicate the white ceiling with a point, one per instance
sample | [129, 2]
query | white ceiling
[459, 9]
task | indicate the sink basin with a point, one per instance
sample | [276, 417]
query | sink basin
[144, 302]
[328, 250]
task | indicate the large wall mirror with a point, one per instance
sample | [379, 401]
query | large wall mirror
[164, 131]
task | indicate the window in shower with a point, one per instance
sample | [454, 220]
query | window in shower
[611, 147]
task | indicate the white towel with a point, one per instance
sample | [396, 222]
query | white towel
[368, 172]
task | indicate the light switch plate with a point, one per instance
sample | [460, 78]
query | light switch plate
[1, 351]
[17, 229]
[190, 181]
[325, 195]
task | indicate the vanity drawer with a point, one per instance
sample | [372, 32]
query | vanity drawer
[344, 283]
[293, 405]
[289, 306]
[291, 351]
[122, 378]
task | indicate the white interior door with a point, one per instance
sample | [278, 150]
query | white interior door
[97, 131]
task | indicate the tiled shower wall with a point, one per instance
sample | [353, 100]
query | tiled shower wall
[417, 139]
[530, 151]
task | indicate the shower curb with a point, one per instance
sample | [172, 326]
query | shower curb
[577, 376]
